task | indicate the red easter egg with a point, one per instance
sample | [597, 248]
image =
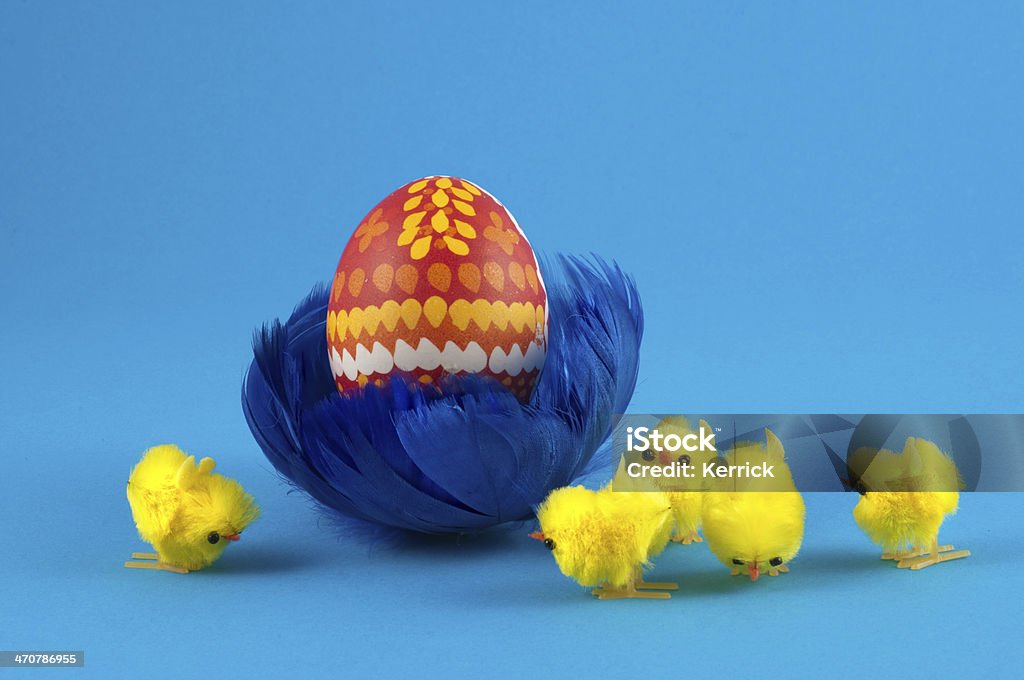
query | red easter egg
[438, 279]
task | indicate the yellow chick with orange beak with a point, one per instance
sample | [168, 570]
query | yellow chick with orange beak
[604, 539]
[755, 524]
[184, 510]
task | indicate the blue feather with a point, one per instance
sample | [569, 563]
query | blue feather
[467, 456]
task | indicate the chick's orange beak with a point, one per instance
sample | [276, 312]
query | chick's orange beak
[754, 571]
[664, 458]
[538, 535]
[232, 537]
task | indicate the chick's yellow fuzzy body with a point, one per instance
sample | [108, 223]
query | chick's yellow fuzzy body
[686, 496]
[910, 517]
[184, 510]
[898, 520]
[755, 523]
[754, 527]
[604, 537]
[687, 510]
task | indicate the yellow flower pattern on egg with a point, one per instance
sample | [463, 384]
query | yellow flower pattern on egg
[435, 216]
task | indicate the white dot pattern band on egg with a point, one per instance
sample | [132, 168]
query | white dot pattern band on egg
[427, 357]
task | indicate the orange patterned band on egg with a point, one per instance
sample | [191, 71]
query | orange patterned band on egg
[438, 278]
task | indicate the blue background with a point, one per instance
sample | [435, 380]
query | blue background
[821, 205]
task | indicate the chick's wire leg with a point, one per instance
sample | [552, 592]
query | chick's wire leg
[640, 584]
[935, 555]
[626, 594]
[160, 566]
[145, 556]
[629, 591]
[635, 595]
[687, 539]
[907, 554]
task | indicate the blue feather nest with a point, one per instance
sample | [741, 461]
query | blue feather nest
[464, 458]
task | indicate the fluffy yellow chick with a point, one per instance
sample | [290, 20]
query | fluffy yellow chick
[605, 538]
[687, 505]
[184, 510]
[904, 499]
[754, 523]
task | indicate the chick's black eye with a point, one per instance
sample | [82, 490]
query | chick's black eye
[775, 561]
[549, 544]
[647, 455]
[213, 537]
[684, 459]
[736, 561]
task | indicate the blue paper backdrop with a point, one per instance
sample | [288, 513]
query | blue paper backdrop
[821, 205]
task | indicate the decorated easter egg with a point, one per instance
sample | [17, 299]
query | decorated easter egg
[437, 279]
